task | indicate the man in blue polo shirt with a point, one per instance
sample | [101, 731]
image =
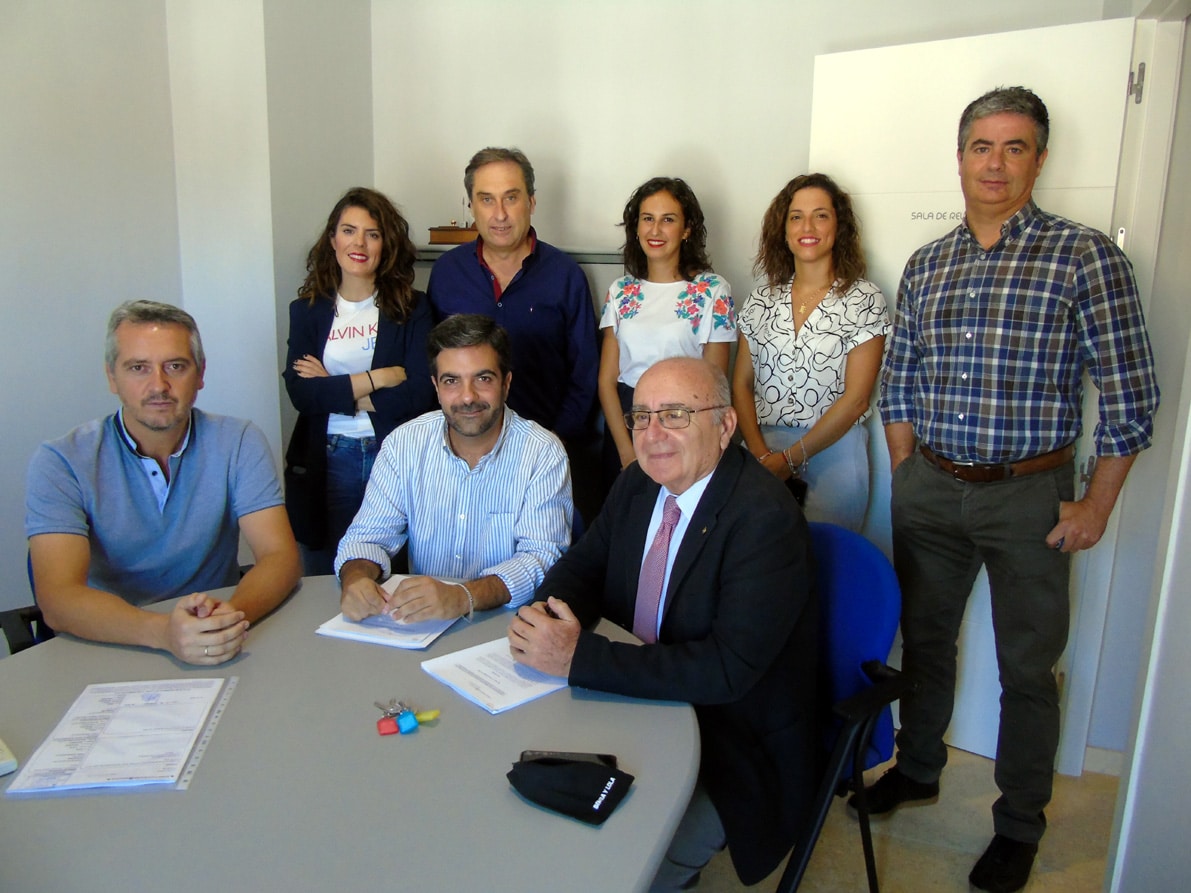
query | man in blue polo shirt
[534, 291]
[149, 503]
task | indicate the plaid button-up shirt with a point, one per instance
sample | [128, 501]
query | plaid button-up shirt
[989, 347]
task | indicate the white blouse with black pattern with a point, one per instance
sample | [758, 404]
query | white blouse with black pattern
[797, 376]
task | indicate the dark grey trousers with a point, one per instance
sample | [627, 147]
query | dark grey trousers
[943, 531]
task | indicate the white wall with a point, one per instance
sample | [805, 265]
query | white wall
[220, 116]
[1152, 841]
[605, 94]
[1148, 836]
[279, 106]
[1141, 540]
[88, 219]
[319, 79]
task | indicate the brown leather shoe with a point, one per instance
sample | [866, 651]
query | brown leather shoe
[893, 789]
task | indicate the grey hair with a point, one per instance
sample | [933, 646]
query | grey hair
[492, 155]
[1013, 100]
[138, 313]
[469, 330]
[721, 391]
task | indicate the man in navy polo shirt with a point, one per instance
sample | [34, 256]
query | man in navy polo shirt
[533, 290]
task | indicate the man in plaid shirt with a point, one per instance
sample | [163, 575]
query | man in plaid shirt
[981, 400]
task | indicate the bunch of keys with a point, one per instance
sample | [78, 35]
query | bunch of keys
[401, 717]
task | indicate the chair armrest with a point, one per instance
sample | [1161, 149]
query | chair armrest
[888, 686]
[18, 630]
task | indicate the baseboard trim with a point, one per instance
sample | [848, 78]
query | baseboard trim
[1103, 762]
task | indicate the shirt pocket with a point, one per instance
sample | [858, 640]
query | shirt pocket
[497, 540]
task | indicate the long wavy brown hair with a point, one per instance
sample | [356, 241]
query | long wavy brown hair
[775, 259]
[394, 279]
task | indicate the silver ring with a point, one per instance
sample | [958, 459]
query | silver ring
[205, 654]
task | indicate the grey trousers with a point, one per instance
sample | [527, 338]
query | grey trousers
[943, 531]
[699, 836]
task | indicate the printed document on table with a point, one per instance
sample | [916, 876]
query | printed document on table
[488, 676]
[122, 734]
[382, 629]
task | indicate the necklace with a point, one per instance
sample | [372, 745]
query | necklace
[816, 296]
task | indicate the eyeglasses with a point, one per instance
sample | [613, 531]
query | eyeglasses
[674, 417]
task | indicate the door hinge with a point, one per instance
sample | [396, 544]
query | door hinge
[1137, 82]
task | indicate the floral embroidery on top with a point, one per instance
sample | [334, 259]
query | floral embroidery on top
[690, 302]
[694, 297]
[723, 314]
[628, 299]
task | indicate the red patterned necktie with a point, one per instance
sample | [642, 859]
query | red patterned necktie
[653, 572]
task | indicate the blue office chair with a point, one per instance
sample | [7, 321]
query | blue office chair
[859, 605]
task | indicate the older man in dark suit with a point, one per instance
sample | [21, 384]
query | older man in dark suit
[703, 554]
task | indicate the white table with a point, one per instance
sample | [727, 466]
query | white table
[297, 791]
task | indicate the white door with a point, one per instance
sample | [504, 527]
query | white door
[884, 125]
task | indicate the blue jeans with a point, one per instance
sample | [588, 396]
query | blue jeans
[837, 478]
[349, 463]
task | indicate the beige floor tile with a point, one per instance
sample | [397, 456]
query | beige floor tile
[932, 848]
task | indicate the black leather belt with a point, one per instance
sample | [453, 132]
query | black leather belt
[972, 473]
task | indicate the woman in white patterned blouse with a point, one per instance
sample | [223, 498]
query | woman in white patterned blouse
[809, 350]
[670, 304]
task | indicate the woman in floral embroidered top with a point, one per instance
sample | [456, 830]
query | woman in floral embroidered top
[670, 304]
[810, 348]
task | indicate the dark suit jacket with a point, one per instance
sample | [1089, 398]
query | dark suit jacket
[316, 398]
[737, 640]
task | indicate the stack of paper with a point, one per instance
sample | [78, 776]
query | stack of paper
[122, 734]
[382, 629]
[487, 675]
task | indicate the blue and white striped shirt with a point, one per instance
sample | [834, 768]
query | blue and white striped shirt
[989, 347]
[510, 516]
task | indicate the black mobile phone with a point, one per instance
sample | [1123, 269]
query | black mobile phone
[605, 759]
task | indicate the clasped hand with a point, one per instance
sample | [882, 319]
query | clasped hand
[414, 598]
[202, 630]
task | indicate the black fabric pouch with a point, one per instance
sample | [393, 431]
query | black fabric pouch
[797, 488]
[584, 790]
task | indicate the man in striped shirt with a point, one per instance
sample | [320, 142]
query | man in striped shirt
[981, 399]
[480, 494]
